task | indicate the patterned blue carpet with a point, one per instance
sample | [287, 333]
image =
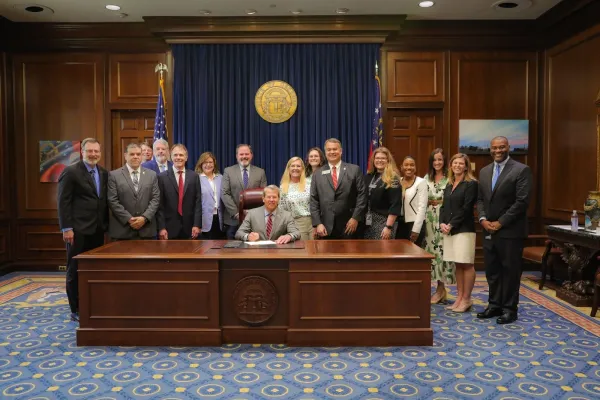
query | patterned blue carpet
[552, 352]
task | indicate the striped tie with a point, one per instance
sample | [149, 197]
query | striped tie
[334, 177]
[269, 225]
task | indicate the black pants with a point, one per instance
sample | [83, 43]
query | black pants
[503, 267]
[81, 244]
[405, 229]
[215, 232]
[338, 231]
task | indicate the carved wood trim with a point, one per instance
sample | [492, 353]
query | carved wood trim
[304, 29]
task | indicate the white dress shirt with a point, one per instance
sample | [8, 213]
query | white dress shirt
[337, 169]
[139, 176]
[213, 186]
[176, 172]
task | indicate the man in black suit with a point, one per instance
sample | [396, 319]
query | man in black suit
[504, 193]
[82, 212]
[180, 211]
[338, 197]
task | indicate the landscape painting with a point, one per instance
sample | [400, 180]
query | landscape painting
[55, 155]
[475, 134]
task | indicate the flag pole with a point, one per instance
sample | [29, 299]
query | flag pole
[162, 69]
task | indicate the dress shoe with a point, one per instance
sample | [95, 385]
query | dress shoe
[464, 307]
[439, 297]
[489, 313]
[74, 316]
[506, 318]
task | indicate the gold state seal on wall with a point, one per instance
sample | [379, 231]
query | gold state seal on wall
[276, 101]
[255, 300]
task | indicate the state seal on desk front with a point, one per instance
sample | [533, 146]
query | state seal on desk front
[255, 300]
[276, 101]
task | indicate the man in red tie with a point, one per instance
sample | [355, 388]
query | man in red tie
[269, 222]
[180, 212]
[338, 197]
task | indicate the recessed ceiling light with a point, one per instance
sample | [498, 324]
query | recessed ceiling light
[512, 5]
[205, 12]
[34, 9]
[296, 12]
[507, 4]
[250, 12]
[426, 4]
[112, 7]
[342, 10]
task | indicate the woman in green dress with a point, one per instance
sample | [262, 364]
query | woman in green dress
[442, 272]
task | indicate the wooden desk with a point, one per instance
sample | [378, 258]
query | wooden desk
[313, 293]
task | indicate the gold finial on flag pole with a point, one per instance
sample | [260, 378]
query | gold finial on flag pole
[161, 69]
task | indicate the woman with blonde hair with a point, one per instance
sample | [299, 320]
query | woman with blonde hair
[384, 196]
[295, 196]
[457, 223]
[212, 206]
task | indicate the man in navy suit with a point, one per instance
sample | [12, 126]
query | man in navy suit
[504, 193]
[82, 212]
[180, 211]
[160, 162]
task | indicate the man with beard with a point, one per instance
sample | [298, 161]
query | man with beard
[82, 212]
[133, 197]
[161, 162]
[237, 178]
[504, 193]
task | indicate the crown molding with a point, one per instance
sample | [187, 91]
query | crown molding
[297, 29]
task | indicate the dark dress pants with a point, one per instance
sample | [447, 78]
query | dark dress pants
[405, 229]
[503, 266]
[215, 232]
[81, 244]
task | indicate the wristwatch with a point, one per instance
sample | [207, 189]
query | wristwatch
[390, 227]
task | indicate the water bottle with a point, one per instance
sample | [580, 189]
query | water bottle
[574, 221]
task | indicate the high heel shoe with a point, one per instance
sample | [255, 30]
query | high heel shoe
[464, 308]
[437, 298]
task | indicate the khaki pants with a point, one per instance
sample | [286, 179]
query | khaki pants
[304, 224]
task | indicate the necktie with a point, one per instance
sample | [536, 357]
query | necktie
[245, 178]
[180, 204]
[162, 168]
[135, 181]
[496, 175]
[269, 225]
[93, 173]
[334, 176]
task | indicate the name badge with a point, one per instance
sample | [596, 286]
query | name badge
[327, 171]
[368, 219]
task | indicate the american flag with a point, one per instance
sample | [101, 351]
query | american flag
[160, 121]
[377, 132]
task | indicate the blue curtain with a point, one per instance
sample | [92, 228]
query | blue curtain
[215, 86]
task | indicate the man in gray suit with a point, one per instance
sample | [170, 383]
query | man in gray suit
[504, 193]
[269, 222]
[237, 178]
[338, 197]
[133, 198]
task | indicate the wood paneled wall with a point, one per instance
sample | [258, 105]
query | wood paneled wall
[59, 96]
[571, 145]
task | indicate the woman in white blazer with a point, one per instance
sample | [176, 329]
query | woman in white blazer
[212, 206]
[414, 203]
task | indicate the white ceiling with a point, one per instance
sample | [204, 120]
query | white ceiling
[95, 11]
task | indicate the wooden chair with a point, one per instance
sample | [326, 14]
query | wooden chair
[249, 199]
[540, 255]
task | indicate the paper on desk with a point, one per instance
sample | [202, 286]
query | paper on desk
[260, 242]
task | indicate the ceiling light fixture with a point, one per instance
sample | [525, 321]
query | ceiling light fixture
[34, 9]
[296, 12]
[507, 4]
[205, 12]
[112, 7]
[342, 10]
[426, 4]
[250, 12]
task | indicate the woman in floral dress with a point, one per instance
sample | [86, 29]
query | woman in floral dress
[442, 272]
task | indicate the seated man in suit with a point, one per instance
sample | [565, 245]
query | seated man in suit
[133, 197]
[269, 222]
[180, 212]
[160, 162]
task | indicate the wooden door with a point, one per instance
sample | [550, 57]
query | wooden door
[413, 132]
[127, 127]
